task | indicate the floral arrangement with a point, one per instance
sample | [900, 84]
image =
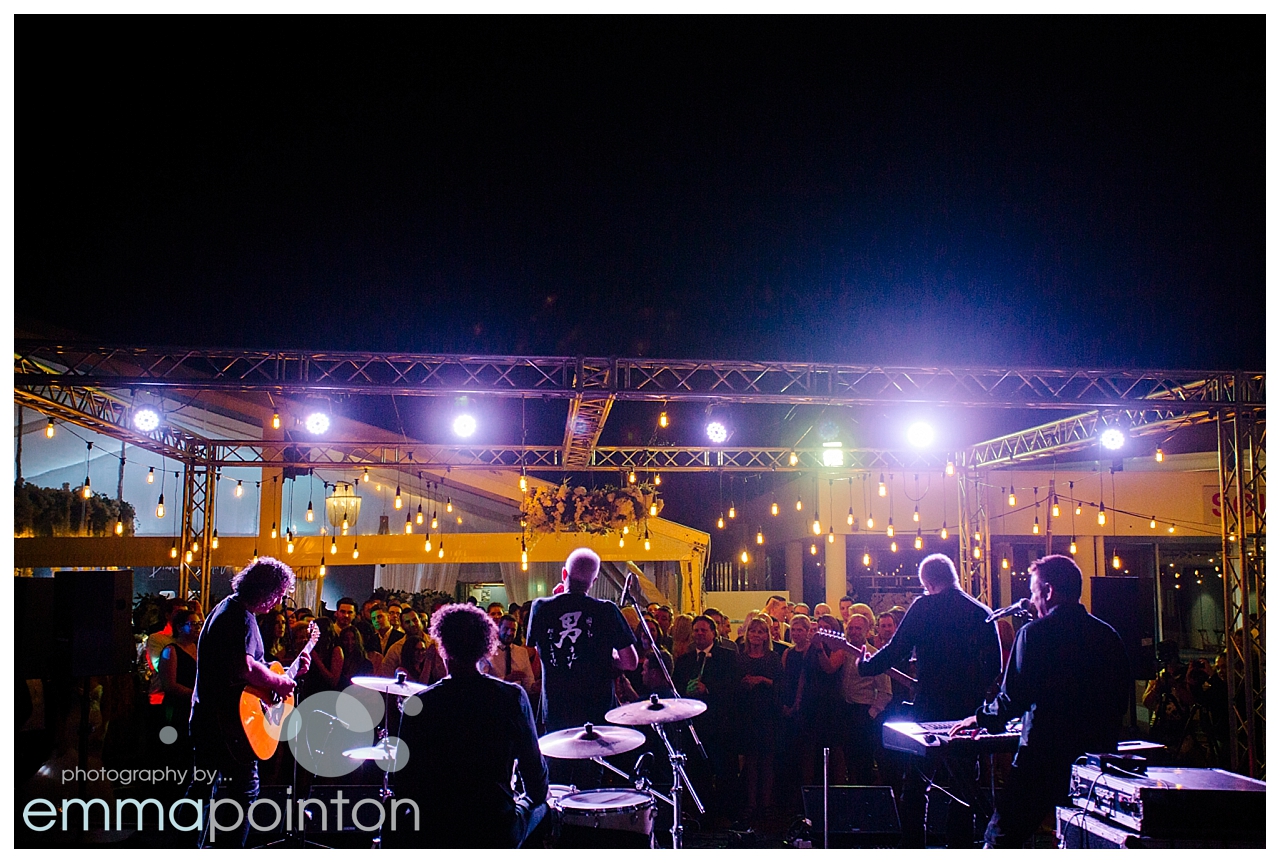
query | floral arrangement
[582, 510]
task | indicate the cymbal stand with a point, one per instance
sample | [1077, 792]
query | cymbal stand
[679, 782]
[385, 793]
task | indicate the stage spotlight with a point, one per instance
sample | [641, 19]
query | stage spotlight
[146, 419]
[317, 422]
[717, 432]
[1112, 439]
[920, 434]
[464, 425]
[832, 454]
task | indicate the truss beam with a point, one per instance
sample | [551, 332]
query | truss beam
[636, 379]
[1076, 433]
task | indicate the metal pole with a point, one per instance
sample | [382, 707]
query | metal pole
[826, 822]
[17, 466]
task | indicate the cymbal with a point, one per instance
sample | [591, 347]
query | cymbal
[656, 711]
[590, 741]
[398, 685]
[383, 751]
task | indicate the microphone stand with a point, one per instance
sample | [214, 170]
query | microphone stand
[679, 779]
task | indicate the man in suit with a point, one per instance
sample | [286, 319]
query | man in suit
[707, 674]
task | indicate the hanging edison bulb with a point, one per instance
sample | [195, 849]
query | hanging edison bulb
[346, 525]
[311, 513]
[1170, 528]
[48, 429]
[322, 566]
[951, 468]
[239, 486]
[631, 477]
[333, 545]
[792, 459]
[831, 534]
[919, 541]
[1004, 563]
[1159, 454]
[1013, 499]
[646, 541]
[355, 550]
[977, 552]
[289, 546]
[1074, 547]
[849, 518]
[663, 422]
[524, 552]
[195, 546]
[626, 529]
[426, 545]
[813, 548]
[188, 557]
[817, 526]
[915, 516]
[419, 518]
[1079, 509]
[160, 506]
[743, 557]
[720, 521]
[274, 533]
[889, 531]
[657, 479]
[213, 543]
[866, 558]
[622, 541]
[977, 536]
[151, 476]
[943, 533]
[524, 481]
[1055, 511]
[435, 522]
[871, 522]
[448, 504]
[733, 511]
[275, 421]
[408, 523]
[883, 489]
[1115, 561]
[173, 549]
[653, 509]
[85, 490]
[773, 508]
[759, 537]
[440, 550]
[1153, 523]
[799, 505]
[1102, 513]
[893, 546]
[1035, 527]
[399, 501]
[119, 527]
[365, 478]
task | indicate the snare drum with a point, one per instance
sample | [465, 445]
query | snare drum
[555, 793]
[606, 818]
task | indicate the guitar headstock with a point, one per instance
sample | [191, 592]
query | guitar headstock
[313, 635]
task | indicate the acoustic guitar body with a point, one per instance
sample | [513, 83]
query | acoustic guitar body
[263, 717]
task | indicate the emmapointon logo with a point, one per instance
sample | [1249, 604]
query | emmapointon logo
[368, 814]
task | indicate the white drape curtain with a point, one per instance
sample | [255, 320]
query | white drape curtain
[308, 586]
[416, 577]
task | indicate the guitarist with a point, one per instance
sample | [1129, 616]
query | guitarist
[229, 657]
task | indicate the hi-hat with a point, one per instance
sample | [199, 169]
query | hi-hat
[589, 741]
[385, 750]
[656, 711]
[398, 685]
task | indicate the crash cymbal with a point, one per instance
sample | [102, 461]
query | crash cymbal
[656, 711]
[589, 741]
[398, 685]
[385, 750]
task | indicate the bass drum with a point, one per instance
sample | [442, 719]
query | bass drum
[606, 818]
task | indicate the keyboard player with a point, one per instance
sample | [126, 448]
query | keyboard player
[957, 659]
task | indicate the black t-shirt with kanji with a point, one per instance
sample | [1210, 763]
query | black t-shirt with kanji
[575, 636]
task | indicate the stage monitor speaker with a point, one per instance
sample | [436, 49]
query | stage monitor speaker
[33, 604]
[862, 816]
[94, 635]
[1128, 604]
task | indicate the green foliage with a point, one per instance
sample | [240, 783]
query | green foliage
[56, 512]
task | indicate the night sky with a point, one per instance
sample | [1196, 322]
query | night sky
[1044, 191]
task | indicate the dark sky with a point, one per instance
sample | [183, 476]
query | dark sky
[1083, 191]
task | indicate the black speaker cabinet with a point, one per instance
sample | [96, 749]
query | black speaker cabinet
[94, 632]
[1128, 604]
[862, 816]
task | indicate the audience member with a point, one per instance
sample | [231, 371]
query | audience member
[274, 644]
[865, 699]
[344, 614]
[681, 635]
[511, 661]
[707, 673]
[356, 662]
[759, 670]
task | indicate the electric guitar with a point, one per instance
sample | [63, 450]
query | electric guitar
[263, 712]
[843, 643]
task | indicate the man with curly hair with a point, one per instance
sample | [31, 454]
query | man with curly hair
[229, 657]
[463, 742]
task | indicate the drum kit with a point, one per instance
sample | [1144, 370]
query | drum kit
[621, 811]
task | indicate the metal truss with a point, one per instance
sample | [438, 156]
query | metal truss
[1075, 433]
[636, 379]
[1242, 474]
[198, 502]
[353, 455]
[975, 557]
[587, 415]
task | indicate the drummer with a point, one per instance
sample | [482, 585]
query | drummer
[462, 743]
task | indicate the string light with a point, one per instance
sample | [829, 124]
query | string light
[322, 566]
[1170, 528]
[1159, 454]
[621, 542]
[951, 468]
[720, 521]
[657, 479]
[48, 429]
[448, 504]
[977, 552]
[792, 459]
[399, 502]
[440, 550]
[653, 509]
[760, 537]
[1153, 522]
[733, 512]
[831, 534]
[849, 518]
[773, 508]
[366, 474]
[1035, 527]
[1115, 561]
[915, 516]
[355, 550]
[631, 477]
[646, 540]
[408, 523]
[195, 545]
[866, 558]
[1102, 512]
[419, 518]
[173, 549]
[119, 527]
[799, 505]
[311, 513]
[426, 545]
[289, 545]
[435, 522]
[1004, 563]
[871, 522]
[977, 536]
[919, 541]
[943, 532]
[160, 506]
[275, 421]
[817, 526]
[524, 482]
[743, 557]
[86, 491]
[213, 543]
[333, 545]
[1056, 510]
[1073, 545]
[274, 533]
[893, 546]
[188, 557]
[813, 548]
[663, 422]
[1013, 499]
[151, 476]
[883, 489]
[889, 532]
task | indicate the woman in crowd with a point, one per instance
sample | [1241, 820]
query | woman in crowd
[820, 704]
[681, 635]
[791, 729]
[326, 659]
[759, 669]
[274, 626]
[178, 679]
[356, 662]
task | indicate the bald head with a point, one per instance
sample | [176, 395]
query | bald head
[580, 569]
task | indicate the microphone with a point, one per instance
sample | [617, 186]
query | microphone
[627, 584]
[1021, 607]
[331, 717]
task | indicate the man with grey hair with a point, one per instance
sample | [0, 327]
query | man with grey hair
[583, 644]
[957, 659]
